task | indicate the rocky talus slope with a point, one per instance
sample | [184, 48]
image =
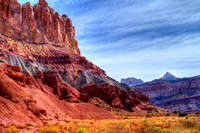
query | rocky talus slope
[43, 75]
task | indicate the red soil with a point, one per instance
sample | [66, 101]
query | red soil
[22, 102]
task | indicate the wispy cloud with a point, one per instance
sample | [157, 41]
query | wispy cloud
[140, 38]
[51, 2]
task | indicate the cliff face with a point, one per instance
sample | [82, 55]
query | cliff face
[36, 24]
[180, 94]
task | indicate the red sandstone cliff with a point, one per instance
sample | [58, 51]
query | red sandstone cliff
[36, 24]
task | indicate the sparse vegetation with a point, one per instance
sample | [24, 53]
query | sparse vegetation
[139, 124]
[11, 129]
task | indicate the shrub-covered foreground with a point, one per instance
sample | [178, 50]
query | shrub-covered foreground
[167, 124]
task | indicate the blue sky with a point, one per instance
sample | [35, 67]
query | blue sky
[137, 38]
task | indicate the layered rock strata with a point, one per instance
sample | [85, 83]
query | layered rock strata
[181, 94]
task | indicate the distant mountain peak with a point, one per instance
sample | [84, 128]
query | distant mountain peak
[169, 76]
[132, 81]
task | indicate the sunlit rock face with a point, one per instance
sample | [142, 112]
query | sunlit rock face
[38, 24]
[10, 12]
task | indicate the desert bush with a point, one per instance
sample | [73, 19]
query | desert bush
[197, 113]
[147, 115]
[155, 130]
[182, 114]
[175, 112]
[168, 114]
[82, 130]
[117, 127]
[11, 129]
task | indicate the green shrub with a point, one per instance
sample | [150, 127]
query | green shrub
[155, 130]
[175, 112]
[82, 130]
[147, 115]
[182, 114]
[168, 114]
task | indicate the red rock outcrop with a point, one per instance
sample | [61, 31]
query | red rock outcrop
[112, 95]
[37, 25]
[22, 102]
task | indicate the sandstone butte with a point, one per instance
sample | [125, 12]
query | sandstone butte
[43, 75]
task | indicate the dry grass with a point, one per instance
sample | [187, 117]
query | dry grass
[143, 124]
[11, 129]
[137, 124]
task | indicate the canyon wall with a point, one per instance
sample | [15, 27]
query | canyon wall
[182, 94]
